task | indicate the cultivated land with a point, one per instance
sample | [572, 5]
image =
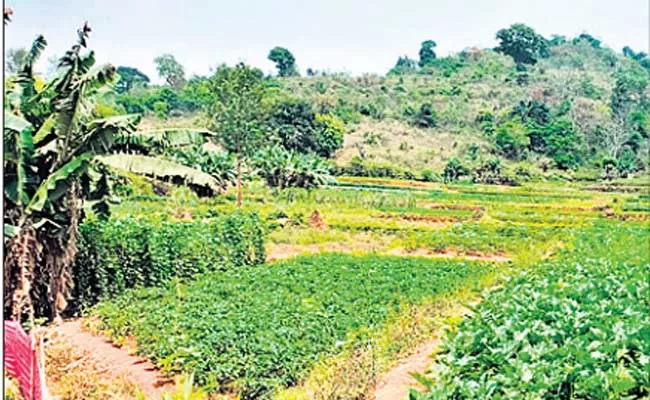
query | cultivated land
[385, 266]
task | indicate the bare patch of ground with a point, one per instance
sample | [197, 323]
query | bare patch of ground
[111, 360]
[395, 384]
[282, 251]
[450, 253]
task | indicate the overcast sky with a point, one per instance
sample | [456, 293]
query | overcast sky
[336, 35]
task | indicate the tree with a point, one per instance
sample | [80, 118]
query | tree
[593, 42]
[51, 139]
[129, 78]
[404, 65]
[557, 40]
[236, 112]
[14, 60]
[171, 70]
[284, 61]
[512, 139]
[427, 54]
[298, 128]
[522, 43]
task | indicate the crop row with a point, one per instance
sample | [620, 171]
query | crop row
[256, 330]
[577, 327]
[123, 253]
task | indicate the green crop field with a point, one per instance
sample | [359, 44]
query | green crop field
[473, 223]
[379, 264]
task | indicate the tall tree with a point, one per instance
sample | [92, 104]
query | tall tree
[129, 78]
[522, 43]
[14, 60]
[427, 54]
[236, 112]
[284, 61]
[171, 70]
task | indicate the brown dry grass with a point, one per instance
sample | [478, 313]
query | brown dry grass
[72, 375]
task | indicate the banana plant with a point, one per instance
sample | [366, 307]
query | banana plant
[52, 140]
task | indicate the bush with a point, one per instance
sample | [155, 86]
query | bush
[282, 169]
[425, 117]
[115, 255]
[329, 134]
[360, 167]
[454, 170]
[298, 128]
[512, 139]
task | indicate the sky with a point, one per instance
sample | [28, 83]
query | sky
[335, 35]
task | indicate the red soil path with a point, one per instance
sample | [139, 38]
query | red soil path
[117, 361]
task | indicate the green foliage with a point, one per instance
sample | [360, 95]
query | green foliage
[170, 70]
[115, 255]
[161, 109]
[360, 167]
[584, 335]
[329, 134]
[52, 136]
[425, 117]
[522, 43]
[512, 139]
[236, 113]
[404, 65]
[561, 142]
[593, 42]
[257, 330]
[281, 169]
[427, 53]
[284, 61]
[629, 91]
[454, 170]
[219, 164]
[129, 78]
[299, 128]
[201, 182]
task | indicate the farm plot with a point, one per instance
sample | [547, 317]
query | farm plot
[256, 330]
[572, 328]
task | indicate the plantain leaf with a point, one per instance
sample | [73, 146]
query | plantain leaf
[160, 168]
[57, 183]
[24, 150]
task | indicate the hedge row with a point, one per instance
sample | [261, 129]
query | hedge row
[115, 255]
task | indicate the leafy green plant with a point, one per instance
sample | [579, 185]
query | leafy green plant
[115, 255]
[51, 139]
[282, 169]
[583, 336]
[256, 330]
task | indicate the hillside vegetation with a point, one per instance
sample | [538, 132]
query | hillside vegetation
[545, 110]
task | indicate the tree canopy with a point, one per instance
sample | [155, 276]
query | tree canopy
[171, 70]
[427, 54]
[129, 78]
[284, 61]
[522, 43]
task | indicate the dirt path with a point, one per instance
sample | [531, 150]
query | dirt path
[117, 361]
[396, 383]
[284, 251]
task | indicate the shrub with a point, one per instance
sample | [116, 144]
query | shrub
[360, 167]
[329, 134]
[123, 253]
[512, 139]
[282, 169]
[425, 117]
[454, 170]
